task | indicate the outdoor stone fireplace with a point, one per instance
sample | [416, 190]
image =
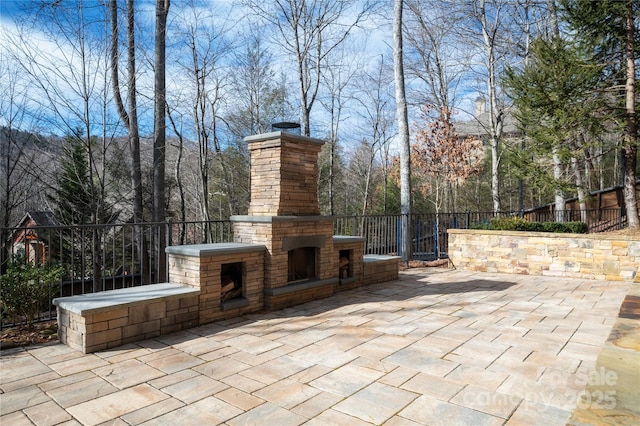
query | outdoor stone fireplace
[301, 262]
[284, 254]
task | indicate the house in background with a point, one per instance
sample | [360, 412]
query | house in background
[478, 126]
[30, 237]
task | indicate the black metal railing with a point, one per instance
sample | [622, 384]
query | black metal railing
[429, 238]
[103, 257]
[96, 258]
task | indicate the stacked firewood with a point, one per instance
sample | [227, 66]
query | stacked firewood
[230, 289]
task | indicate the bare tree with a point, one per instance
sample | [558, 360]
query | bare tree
[403, 131]
[337, 79]
[69, 79]
[310, 31]
[19, 159]
[375, 101]
[434, 57]
[362, 175]
[490, 30]
[159, 129]
[178, 175]
[260, 98]
[159, 122]
[130, 117]
[631, 131]
[205, 85]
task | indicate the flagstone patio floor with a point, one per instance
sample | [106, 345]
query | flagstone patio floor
[436, 347]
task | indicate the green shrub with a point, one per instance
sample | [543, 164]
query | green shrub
[577, 227]
[25, 289]
[515, 223]
[555, 227]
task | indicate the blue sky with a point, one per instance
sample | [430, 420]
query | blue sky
[373, 42]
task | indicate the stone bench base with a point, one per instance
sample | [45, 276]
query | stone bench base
[378, 268]
[104, 320]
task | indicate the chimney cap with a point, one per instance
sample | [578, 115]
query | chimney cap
[286, 126]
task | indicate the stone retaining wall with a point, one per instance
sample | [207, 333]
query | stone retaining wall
[593, 256]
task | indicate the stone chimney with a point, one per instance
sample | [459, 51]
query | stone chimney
[284, 216]
[481, 106]
[284, 174]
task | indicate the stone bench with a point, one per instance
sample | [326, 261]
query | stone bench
[98, 321]
[380, 268]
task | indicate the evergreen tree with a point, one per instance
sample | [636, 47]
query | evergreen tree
[557, 101]
[74, 194]
[608, 32]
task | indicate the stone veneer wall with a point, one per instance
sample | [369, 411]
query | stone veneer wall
[272, 231]
[200, 266]
[98, 321]
[284, 174]
[593, 256]
[379, 269]
[356, 246]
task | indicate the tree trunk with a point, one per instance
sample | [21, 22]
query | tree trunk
[130, 121]
[631, 134]
[495, 116]
[159, 108]
[582, 196]
[403, 132]
[159, 133]
[178, 177]
[559, 199]
[332, 153]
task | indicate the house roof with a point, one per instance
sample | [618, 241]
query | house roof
[479, 125]
[44, 218]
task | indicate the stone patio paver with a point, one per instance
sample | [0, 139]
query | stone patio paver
[171, 360]
[22, 398]
[194, 389]
[76, 365]
[208, 411]
[17, 418]
[32, 380]
[268, 414]
[112, 406]
[346, 380]
[48, 413]
[127, 373]
[426, 410]
[434, 347]
[21, 366]
[493, 403]
[240, 399]
[82, 391]
[416, 357]
[337, 418]
[287, 393]
[530, 413]
[433, 386]
[376, 403]
[152, 411]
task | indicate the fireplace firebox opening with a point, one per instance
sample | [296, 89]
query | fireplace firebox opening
[302, 264]
[231, 281]
[345, 264]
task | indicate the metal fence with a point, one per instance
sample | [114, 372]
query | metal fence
[103, 257]
[429, 238]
